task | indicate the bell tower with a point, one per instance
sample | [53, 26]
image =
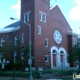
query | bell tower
[36, 13]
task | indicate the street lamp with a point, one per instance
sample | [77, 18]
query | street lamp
[30, 60]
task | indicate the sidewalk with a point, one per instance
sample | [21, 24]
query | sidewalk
[11, 78]
[18, 78]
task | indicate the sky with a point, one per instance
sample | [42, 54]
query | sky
[70, 9]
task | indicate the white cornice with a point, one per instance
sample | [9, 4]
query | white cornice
[53, 6]
[9, 29]
[72, 33]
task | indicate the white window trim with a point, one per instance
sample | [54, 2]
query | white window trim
[27, 14]
[15, 54]
[24, 18]
[23, 37]
[47, 58]
[2, 41]
[62, 52]
[40, 68]
[39, 29]
[15, 40]
[41, 19]
[74, 41]
[47, 42]
[45, 18]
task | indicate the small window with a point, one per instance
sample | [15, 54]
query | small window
[61, 53]
[4, 60]
[46, 42]
[42, 16]
[16, 39]
[28, 19]
[40, 68]
[46, 58]
[23, 37]
[3, 41]
[74, 41]
[54, 51]
[27, 16]
[39, 29]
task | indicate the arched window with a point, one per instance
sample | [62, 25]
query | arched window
[54, 51]
[61, 53]
[3, 41]
[15, 40]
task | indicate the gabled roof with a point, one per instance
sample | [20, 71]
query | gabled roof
[14, 24]
[72, 33]
[53, 6]
[10, 28]
[57, 14]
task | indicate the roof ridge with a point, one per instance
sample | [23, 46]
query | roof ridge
[53, 6]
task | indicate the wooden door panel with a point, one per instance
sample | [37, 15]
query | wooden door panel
[54, 59]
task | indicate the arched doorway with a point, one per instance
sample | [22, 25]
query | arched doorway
[58, 57]
[63, 57]
[54, 57]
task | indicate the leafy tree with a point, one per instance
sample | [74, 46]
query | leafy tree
[3, 52]
[16, 58]
[26, 50]
[74, 54]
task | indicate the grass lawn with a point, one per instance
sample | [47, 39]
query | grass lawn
[25, 75]
[16, 78]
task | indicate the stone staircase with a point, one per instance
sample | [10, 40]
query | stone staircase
[64, 68]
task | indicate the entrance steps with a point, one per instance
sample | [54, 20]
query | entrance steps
[64, 68]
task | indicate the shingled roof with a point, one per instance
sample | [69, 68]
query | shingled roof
[16, 24]
[10, 28]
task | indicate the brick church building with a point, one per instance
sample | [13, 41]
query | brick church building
[51, 34]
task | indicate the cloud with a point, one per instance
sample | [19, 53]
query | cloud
[76, 1]
[16, 7]
[75, 12]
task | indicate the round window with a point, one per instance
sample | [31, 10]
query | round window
[57, 37]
